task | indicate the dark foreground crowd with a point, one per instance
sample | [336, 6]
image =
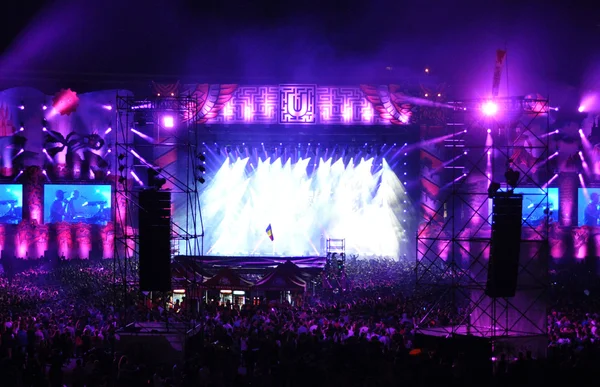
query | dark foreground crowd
[63, 325]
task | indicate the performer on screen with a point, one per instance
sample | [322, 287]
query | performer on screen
[592, 213]
[57, 210]
[74, 207]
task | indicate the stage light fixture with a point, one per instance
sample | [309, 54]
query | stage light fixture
[121, 156]
[154, 180]
[201, 157]
[44, 107]
[121, 168]
[201, 180]
[512, 178]
[493, 188]
[489, 108]
[22, 106]
[121, 180]
[168, 121]
[201, 168]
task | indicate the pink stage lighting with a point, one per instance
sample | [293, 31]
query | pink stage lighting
[168, 121]
[489, 108]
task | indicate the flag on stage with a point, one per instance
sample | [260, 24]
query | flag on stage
[270, 232]
[500, 59]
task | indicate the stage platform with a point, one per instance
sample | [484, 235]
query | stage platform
[250, 264]
[502, 342]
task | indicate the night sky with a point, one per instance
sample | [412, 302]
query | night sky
[552, 46]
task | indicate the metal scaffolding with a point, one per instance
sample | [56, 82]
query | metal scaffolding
[453, 243]
[156, 146]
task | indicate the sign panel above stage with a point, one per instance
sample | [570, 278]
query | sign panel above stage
[296, 104]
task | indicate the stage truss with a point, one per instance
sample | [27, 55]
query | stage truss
[176, 154]
[453, 243]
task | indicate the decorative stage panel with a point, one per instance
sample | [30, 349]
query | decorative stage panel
[290, 104]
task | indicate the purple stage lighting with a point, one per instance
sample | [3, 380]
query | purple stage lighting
[489, 108]
[489, 130]
[581, 109]
[168, 121]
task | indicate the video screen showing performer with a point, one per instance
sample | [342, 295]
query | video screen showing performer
[539, 205]
[588, 207]
[11, 203]
[77, 203]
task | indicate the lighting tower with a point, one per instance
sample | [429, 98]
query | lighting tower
[454, 240]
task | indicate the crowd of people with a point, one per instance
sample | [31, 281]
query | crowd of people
[61, 325]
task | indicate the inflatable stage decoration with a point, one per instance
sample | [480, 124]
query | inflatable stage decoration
[390, 102]
[33, 191]
[83, 237]
[65, 102]
[80, 153]
[107, 234]
[31, 239]
[7, 130]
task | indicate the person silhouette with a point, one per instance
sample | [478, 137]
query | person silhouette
[57, 210]
[592, 213]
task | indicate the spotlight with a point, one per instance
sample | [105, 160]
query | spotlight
[201, 180]
[512, 178]
[168, 121]
[201, 168]
[44, 107]
[201, 157]
[489, 108]
[426, 70]
[489, 130]
[439, 94]
[581, 109]
[493, 188]
[21, 106]
[121, 168]
[154, 180]
[121, 156]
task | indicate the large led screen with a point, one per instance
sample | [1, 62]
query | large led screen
[74, 203]
[588, 207]
[11, 203]
[537, 205]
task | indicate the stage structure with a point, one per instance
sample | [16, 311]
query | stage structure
[335, 265]
[156, 147]
[485, 139]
